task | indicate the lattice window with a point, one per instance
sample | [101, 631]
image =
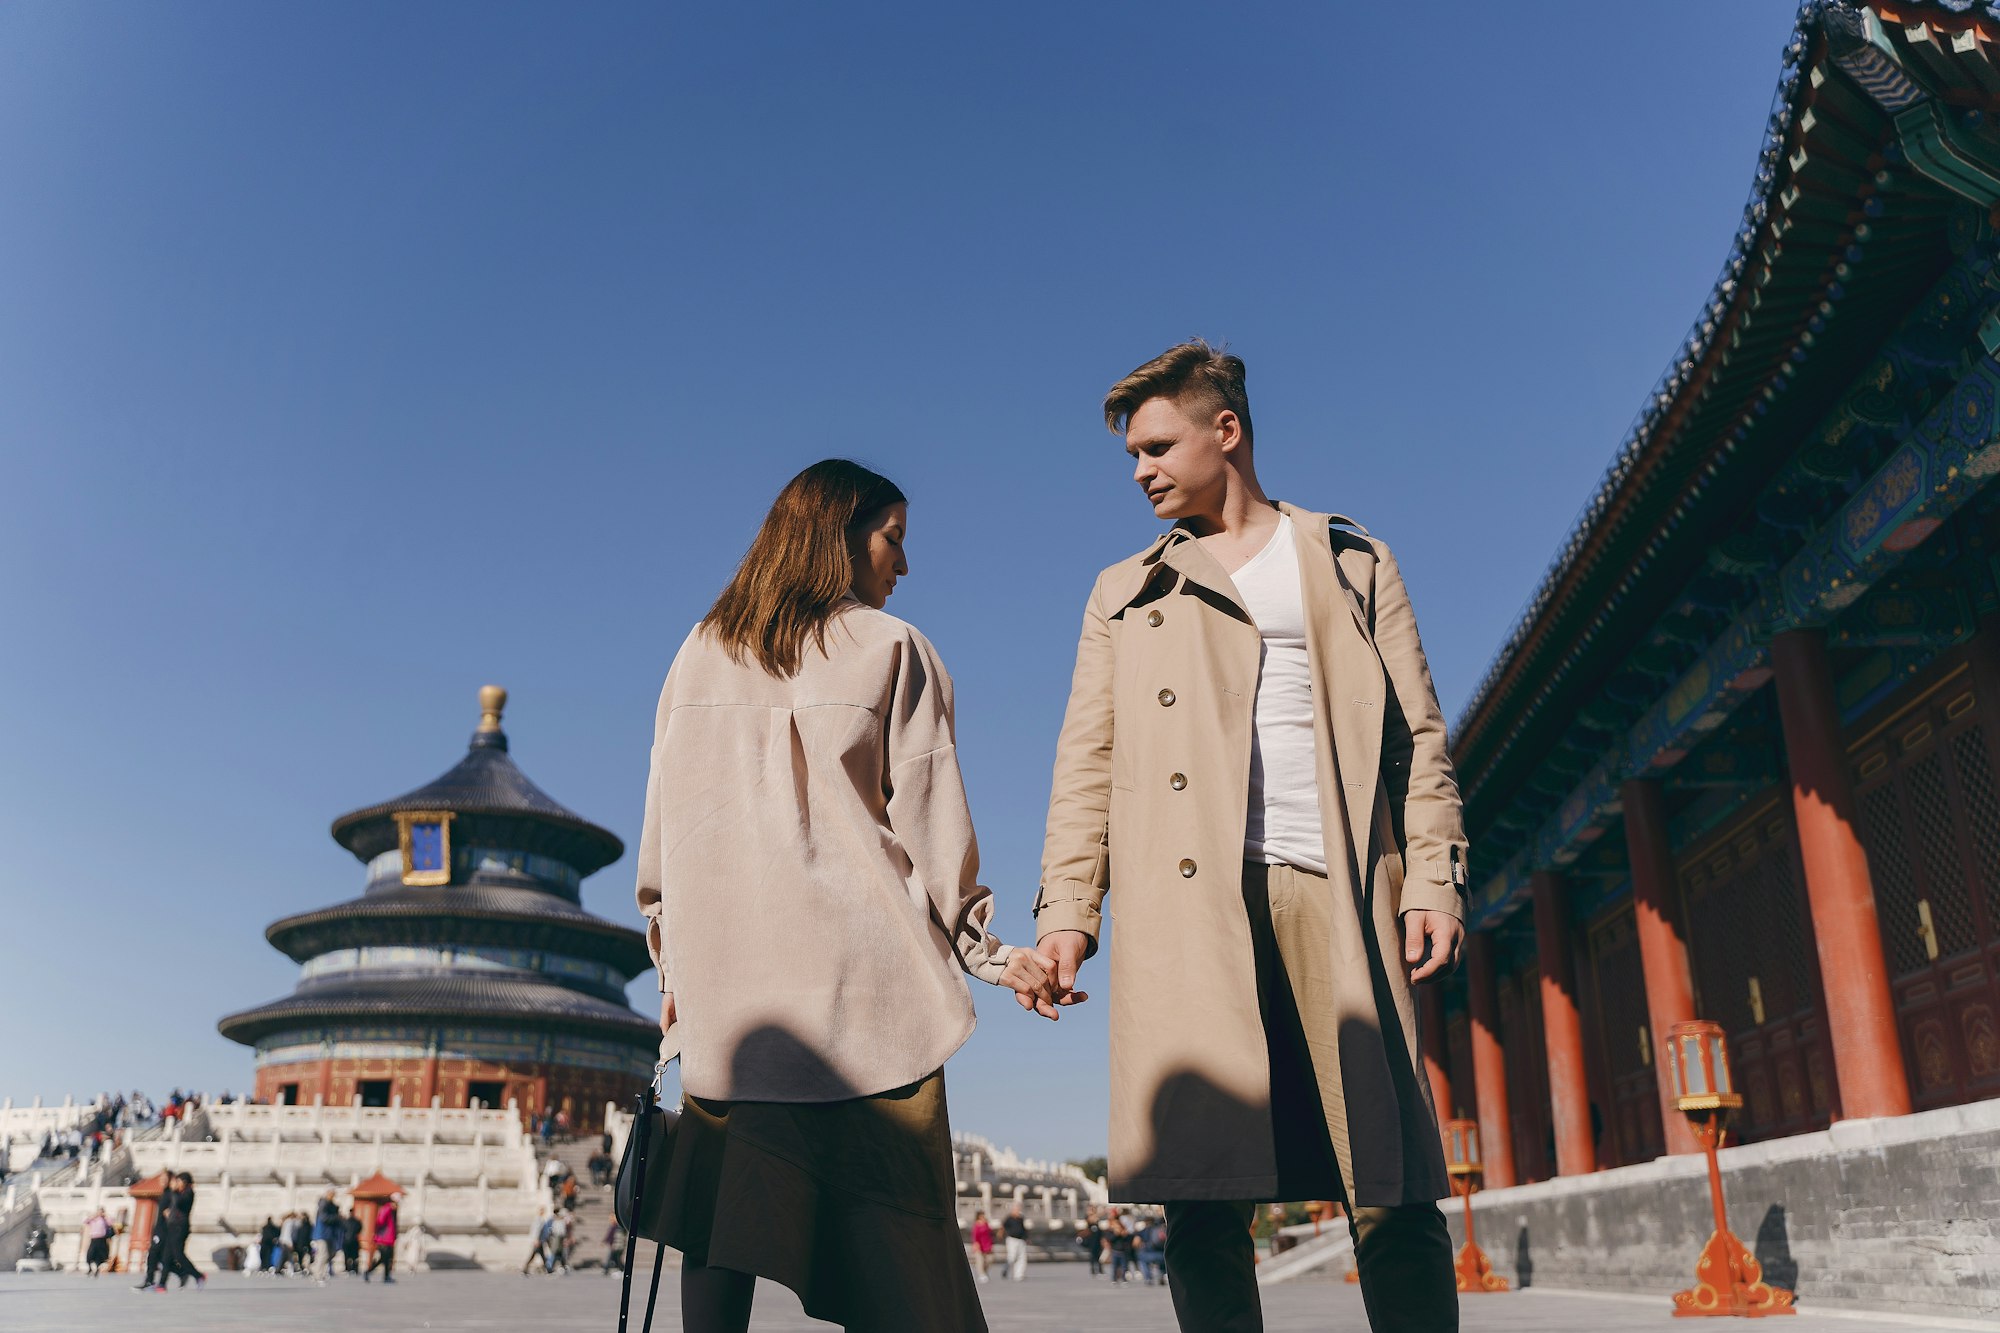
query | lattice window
[1895, 883]
[1982, 810]
[1721, 962]
[1788, 985]
[1951, 903]
[1621, 995]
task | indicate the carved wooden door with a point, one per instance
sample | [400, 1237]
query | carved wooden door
[1930, 820]
[1756, 970]
[1632, 1128]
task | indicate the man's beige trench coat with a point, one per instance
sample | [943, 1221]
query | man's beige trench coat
[1152, 781]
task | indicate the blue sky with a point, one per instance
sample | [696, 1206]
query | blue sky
[354, 356]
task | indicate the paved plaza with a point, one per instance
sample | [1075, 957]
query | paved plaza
[1055, 1297]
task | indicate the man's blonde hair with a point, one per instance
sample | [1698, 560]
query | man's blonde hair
[1202, 379]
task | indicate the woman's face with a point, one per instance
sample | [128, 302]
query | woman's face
[877, 549]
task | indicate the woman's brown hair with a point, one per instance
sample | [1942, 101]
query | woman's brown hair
[799, 566]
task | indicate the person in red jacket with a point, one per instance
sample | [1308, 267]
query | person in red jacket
[385, 1242]
[982, 1244]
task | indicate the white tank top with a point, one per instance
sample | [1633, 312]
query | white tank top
[1284, 824]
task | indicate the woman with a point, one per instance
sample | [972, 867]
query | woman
[808, 872]
[982, 1244]
[385, 1242]
[97, 1230]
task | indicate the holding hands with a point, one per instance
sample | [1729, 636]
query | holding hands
[1031, 975]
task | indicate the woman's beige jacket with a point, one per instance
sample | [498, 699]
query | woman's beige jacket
[1151, 791]
[808, 870]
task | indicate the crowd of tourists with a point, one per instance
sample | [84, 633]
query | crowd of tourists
[325, 1241]
[1114, 1241]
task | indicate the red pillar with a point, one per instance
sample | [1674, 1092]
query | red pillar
[1663, 954]
[1437, 1061]
[1860, 1013]
[1562, 1029]
[429, 1087]
[145, 1214]
[1489, 1063]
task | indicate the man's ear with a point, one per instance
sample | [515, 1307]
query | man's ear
[1228, 430]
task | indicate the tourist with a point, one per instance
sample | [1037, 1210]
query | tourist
[326, 1234]
[602, 1167]
[270, 1247]
[808, 872]
[1015, 1228]
[385, 1242]
[1290, 853]
[1090, 1235]
[982, 1244]
[176, 1218]
[1152, 1244]
[539, 1255]
[350, 1242]
[559, 1241]
[1121, 1248]
[614, 1248]
[298, 1242]
[97, 1230]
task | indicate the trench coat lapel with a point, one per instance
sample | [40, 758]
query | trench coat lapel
[1347, 705]
[1186, 556]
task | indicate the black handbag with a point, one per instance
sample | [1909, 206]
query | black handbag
[638, 1200]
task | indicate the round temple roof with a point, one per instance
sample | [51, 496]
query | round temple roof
[495, 802]
[465, 914]
[513, 1002]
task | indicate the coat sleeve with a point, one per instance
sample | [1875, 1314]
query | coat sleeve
[1416, 763]
[650, 890]
[929, 813]
[1076, 850]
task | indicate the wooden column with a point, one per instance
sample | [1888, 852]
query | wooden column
[145, 1216]
[1663, 955]
[1860, 1013]
[1437, 1060]
[1489, 1062]
[1562, 1029]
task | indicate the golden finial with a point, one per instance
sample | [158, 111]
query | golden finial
[492, 699]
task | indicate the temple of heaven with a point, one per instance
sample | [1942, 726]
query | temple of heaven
[468, 970]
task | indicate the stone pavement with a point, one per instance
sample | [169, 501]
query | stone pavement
[1055, 1297]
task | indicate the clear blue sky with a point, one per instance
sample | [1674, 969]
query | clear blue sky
[352, 356]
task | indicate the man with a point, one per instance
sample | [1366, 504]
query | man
[1254, 756]
[1015, 1228]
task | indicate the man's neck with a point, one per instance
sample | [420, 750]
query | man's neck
[1246, 514]
[1240, 528]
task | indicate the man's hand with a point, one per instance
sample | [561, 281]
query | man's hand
[1432, 939]
[666, 1011]
[1031, 976]
[1067, 948]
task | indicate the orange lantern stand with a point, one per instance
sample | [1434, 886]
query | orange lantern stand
[369, 1196]
[1462, 1160]
[1728, 1280]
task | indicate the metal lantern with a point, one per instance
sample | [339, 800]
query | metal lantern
[1462, 1160]
[1728, 1280]
[1698, 1062]
[1461, 1148]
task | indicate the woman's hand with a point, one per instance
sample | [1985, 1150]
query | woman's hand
[667, 1012]
[1031, 976]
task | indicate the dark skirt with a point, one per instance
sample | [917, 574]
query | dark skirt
[851, 1204]
[100, 1250]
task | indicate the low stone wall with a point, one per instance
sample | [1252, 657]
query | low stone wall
[1899, 1213]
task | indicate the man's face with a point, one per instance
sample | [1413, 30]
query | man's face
[1179, 460]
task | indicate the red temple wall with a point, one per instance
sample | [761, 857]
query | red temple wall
[533, 1087]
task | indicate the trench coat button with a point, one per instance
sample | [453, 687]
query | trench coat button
[1178, 782]
[1154, 618]
[1187, 870]
[1166, 698]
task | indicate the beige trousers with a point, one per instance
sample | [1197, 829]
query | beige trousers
[1403, 1253]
